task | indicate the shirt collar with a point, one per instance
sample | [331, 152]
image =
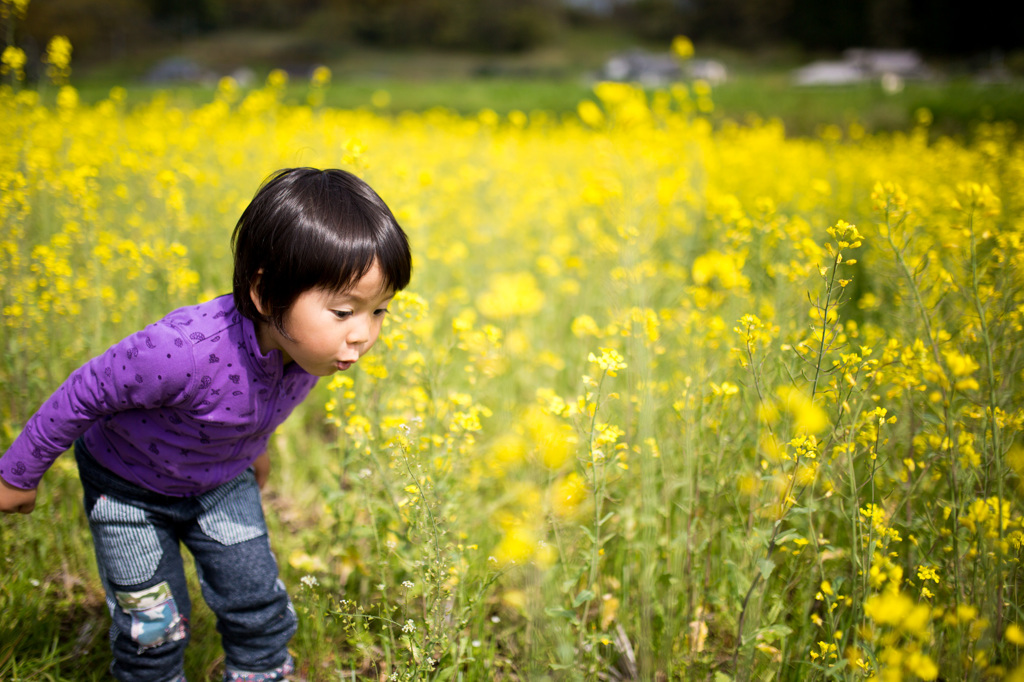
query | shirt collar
[270, 365]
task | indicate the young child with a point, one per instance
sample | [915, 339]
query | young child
[170, 425]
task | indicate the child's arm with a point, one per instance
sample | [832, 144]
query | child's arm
[149, 369]
[15, 499]
[261, 467]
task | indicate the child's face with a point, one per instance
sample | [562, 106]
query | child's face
[330, 331]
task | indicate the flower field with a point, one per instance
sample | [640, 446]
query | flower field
[665, 400]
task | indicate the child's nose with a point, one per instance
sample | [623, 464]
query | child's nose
[359, 332]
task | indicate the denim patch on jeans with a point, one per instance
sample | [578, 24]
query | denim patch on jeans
[137, 535]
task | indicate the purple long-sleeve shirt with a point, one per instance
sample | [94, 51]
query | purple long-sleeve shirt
[179, 407]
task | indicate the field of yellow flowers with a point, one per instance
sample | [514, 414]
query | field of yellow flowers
[665, 400]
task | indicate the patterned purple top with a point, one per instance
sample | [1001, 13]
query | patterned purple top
[178, 408]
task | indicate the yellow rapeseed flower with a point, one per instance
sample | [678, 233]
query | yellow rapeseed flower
[610, 361]
[58, 57]
[584, 325]
[808, 417]
[67, 98]
[277, 78]
[303, 562]
[13, 61]
[960, 365]
[15, 7]
[927, 573]
[682, 47]
[567, 494]
[518, 541]
[321, 76]
[590, 113]
[511, 295]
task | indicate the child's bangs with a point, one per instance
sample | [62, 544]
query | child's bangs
[345, 258]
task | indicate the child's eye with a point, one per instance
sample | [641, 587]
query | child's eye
[342, 314]
[380, 312]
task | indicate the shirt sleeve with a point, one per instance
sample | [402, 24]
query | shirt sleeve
[151, 368]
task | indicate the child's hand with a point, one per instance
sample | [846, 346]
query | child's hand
[261, 467]
[15, 499]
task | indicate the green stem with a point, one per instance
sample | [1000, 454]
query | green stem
[824, 325]
[997, 451]
[595, 549]
[792, 481]
[946, 398]
[438, 577]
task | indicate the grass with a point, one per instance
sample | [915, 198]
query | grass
[555, 77]
[957, 106]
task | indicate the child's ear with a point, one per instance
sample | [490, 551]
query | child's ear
[254, 294]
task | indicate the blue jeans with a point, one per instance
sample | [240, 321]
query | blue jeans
[136, 533]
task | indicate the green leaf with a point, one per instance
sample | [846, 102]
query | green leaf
[766, 566]
[786, 536]
[557, 612]
[571, 583]
[583, 596]
[772, 633]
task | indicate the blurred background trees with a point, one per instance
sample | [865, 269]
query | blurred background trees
[102, 29]
[495, 25]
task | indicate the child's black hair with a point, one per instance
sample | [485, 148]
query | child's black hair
[313, 229]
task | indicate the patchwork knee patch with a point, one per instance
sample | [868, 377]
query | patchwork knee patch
[232, 513]
[126, 543]
[155, 616]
